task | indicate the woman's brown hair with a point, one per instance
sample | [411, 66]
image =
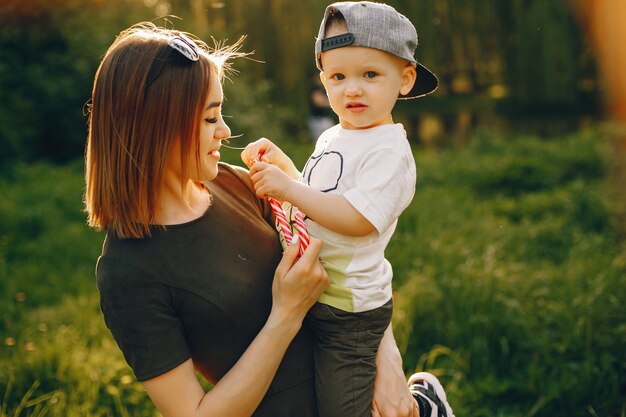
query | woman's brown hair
[147, 98]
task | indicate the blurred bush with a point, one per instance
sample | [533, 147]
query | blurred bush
[46, 71]
[495, 59]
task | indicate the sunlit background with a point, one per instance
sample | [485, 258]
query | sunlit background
[510, 265]
[524, 64]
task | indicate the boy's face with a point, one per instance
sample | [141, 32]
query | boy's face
[363, 84]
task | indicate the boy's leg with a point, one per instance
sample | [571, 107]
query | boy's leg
[430, 395]
[345, 358]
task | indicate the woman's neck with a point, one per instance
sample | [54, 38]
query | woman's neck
[178, 204]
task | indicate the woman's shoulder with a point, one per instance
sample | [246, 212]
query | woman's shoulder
[234, 183]
[125, 264]
[234, 188]
[116, 269]
[228, 174]
[236, 169]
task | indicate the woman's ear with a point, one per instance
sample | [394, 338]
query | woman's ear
[409, 75]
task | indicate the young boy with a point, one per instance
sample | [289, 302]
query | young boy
[354, 186]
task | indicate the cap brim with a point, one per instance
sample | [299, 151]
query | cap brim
[425, 83]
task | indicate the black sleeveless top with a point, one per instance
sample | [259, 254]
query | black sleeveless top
[202, 290]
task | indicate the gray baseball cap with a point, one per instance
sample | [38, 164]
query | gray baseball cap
[378, 26]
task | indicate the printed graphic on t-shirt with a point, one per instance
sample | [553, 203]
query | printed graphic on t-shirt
[328, 163]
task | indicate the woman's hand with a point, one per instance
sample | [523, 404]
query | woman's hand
[298, 283]
[265, 151]
[391, 394]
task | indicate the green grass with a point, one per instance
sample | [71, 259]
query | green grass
[510, 280]
[46, 252]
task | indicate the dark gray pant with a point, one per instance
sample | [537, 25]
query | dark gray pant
[345, 358]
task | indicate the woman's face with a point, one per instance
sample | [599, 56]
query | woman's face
[211, 132]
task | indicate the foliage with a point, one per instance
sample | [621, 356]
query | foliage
[511, 278]
[49, 56]
[259, 118]
[527, 50]
[65, 364]
[57, 357]
[509, 285]
[43, 239]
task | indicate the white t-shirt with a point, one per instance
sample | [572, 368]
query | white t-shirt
[374, 170]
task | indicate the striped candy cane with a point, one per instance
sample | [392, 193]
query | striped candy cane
[302, 231]
[281, 218]
[285, 227]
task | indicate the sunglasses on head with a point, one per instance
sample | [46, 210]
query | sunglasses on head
[185, 46]
[181, 44]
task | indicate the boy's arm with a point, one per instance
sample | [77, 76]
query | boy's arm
[332, 211]
[265, 151]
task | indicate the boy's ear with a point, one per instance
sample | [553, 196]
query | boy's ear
[409, 75]
[323, 78]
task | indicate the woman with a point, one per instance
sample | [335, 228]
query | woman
[191, 276]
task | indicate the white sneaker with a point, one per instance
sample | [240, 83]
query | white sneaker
[428, 387]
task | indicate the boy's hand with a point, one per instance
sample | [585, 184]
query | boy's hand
[265, 151]
[269, 180]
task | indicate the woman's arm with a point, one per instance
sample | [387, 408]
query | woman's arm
[297, 284]
[391, 394]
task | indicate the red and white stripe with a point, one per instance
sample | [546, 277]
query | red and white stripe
[286, 228]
